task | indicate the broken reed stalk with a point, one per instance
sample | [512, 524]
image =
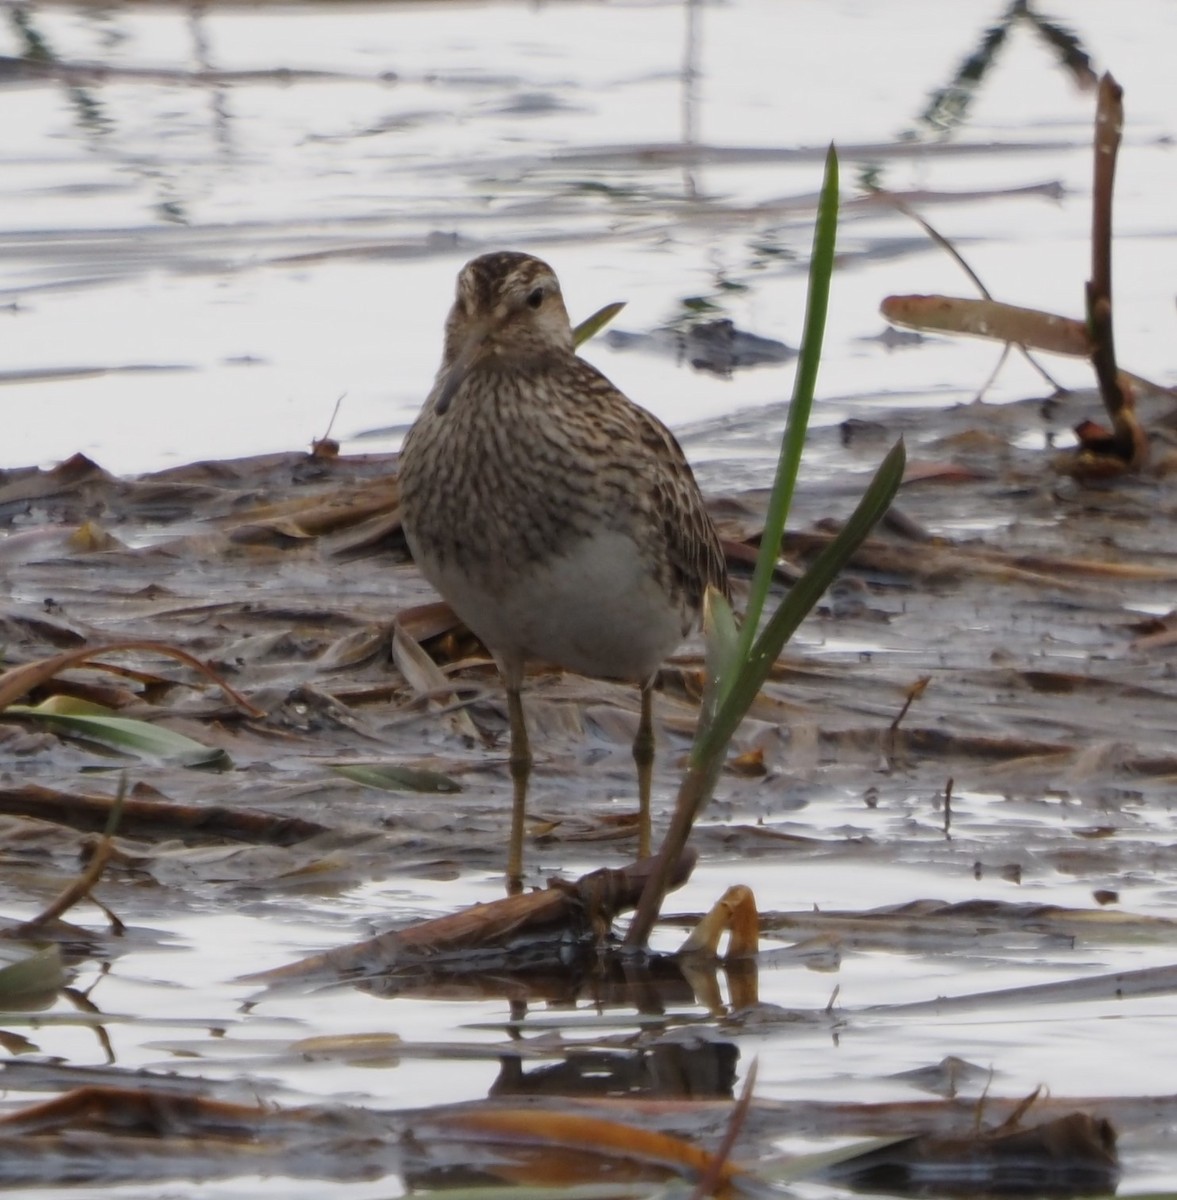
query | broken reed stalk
[588, 903]
[1101, 453]
[1109, 125]
[1130, 443]
[738, 660]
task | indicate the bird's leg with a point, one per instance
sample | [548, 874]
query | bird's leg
[520, 761]
[643, 756]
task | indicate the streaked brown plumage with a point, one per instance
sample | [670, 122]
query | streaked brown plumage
[560, 520]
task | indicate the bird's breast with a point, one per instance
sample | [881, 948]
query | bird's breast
[596, 607]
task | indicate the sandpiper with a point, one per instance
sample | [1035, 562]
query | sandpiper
[559, 519]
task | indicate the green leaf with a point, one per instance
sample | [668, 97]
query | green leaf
[803, 595]
[32, 981]
[821, 268]
[97, 723]
[716, 727]
[391, 777]
[728, 697]
[721, 639]
[591, 326]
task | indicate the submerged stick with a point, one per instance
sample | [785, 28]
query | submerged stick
[583, 908]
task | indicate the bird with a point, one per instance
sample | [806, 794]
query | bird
[560, 520]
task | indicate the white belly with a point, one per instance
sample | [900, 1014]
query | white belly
[597, 610]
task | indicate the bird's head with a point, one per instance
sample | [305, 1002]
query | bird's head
[508, 308]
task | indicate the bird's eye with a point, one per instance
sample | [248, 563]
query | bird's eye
[535, 297]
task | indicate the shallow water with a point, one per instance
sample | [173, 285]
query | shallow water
[198, 267]
[279, 245]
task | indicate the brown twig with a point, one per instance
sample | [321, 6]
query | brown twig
[914, 692]
[1109, 123]
[1128, 442]
[941, 241]
[146, 817]
[713, 1176]
[16, 681]
[79, 889]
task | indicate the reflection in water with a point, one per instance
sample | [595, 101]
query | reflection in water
[565, 976]
[91, 118]
[948, 109]
[348, 163]
[701, 1068]
[217, 93]
[690, 94]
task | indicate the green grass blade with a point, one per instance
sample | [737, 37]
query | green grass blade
[803, 595]
[744, 668]
[721, 639]
[391, 777]
[591, 326]
[99, 724]
[821, 268]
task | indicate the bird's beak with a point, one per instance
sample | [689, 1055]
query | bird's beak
[467, 356]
